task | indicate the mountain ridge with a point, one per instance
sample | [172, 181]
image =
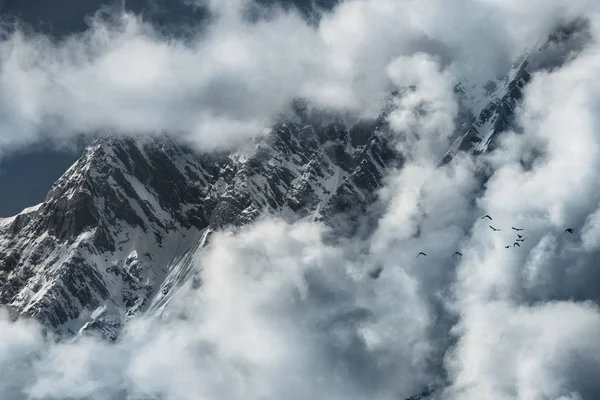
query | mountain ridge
[115, 224]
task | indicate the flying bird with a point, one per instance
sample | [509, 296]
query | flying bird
[420, 254]
[486, 216]
[460, 254]
[569, 230]
[516, 229]
[376, 272]
[520, 236]
[507, 247]
[494, 228]
[516, 244]
[521, 240]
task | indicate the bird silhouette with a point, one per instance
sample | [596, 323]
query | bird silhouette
[521, 240]
[516, 229]
[494, 228]
[507, 247]
[486, 216]
[516, 244]
[376, 272]
[460, 254]
[569, 230]
[420, 254]
[520, 236]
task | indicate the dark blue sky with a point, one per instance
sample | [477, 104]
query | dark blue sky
[25, 177]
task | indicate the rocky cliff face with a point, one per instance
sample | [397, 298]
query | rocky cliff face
[104, 236]
[114, 231]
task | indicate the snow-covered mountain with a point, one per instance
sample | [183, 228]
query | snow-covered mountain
[489, 110]
[117, 232]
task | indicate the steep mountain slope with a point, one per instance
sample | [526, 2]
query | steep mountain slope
[295, 170]
[105, 234]
[117, 230]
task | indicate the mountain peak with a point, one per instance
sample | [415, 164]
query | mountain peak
[114, 229]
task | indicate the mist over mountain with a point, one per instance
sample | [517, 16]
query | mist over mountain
[248, 218]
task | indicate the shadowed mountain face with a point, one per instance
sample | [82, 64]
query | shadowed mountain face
[114, 228]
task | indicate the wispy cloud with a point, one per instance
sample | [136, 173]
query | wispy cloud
[233, 76]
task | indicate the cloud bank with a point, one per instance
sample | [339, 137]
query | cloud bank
[280, 314]
[284, 313]
[231, 77]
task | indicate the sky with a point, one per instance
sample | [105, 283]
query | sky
[285, 312]
[27, 175]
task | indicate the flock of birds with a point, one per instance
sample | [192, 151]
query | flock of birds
[377, 271]
[519, 238]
